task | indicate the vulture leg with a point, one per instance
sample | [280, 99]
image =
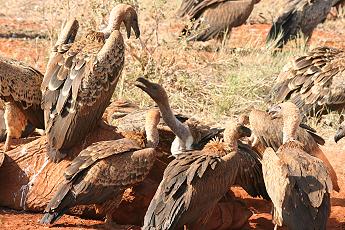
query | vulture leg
[7, 146]
[15, 121]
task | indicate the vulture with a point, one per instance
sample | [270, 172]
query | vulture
[214, 18]
[101, 173]
[298, 17]
[196, 180]
[315, 82]
[270, 134]
[340, 132]
[80, 80]
[299, 184]
[20, 90]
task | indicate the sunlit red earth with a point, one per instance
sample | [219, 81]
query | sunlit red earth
[34, 52]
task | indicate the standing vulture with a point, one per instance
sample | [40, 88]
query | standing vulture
[101, 173]
[80, 80]
[340, 132]
[298, 183]
[195, 181]
[298, 16]
[214, 18]
[270, 133]
[20, 89]
[315, 82]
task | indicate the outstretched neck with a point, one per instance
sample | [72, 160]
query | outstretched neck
[152, 136]
[179, 129]
[114, 24]
[231, 140]
[290, 126]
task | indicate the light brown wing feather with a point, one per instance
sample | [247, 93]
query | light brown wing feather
[20, 83]
[313, 81]
[220, 16]
[93, 68]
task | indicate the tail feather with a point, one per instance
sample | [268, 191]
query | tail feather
[59, 204]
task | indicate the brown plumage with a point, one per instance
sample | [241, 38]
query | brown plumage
[103, 171]
[298, 183]
[20, 89]
[195, 181]
[340, 132]
[315, 82]
[215, 18]
[80, 80]
[269, 133]
[298, 16]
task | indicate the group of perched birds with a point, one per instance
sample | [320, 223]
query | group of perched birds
[271, 154]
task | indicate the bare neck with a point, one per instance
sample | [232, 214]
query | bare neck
[290, 126]
[179, 129]
[231, 140]
[152, 136]
[114, 24]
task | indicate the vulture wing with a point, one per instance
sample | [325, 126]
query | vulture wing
[21, 83]
[313, 81]
[181, 196]
[77, 87]
[249, 175]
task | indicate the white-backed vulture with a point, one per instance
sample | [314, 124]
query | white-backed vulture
[80, 80]
[195, 181]
[298, 16]
[340, 132]
[214, 18]
[269, 133]
[101, 173]
[2, 122]
[315, 82]
[20, 89]
[299, 184]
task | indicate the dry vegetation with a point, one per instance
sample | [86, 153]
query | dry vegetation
[200, 82]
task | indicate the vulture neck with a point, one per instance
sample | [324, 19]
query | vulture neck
[230, 138]
[152, 136]
[184, 138]
[290, 126]
[114, 23]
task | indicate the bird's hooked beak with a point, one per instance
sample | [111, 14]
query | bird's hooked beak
[273, 111]
[132, 24]
[143, 84]
[339, 134]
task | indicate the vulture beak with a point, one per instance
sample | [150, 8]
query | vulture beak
[136, 29]
[245, 132]
[339, 134]
[274, 111]
[146, 86]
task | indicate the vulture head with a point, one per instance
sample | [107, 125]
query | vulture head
[234, 131]
[291, 116]
[126, 14]
[285, 110]
[340, 132]
[155, 91]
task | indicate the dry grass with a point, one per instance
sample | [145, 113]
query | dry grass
[205, 84]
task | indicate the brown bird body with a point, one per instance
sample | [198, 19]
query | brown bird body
[269, 133]
[298, 16]
[340, 132]
[195, 181]
[80, 80]
[215, 18]
[315, 82]
[20, 89]
[299, 184]
[103, 171]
